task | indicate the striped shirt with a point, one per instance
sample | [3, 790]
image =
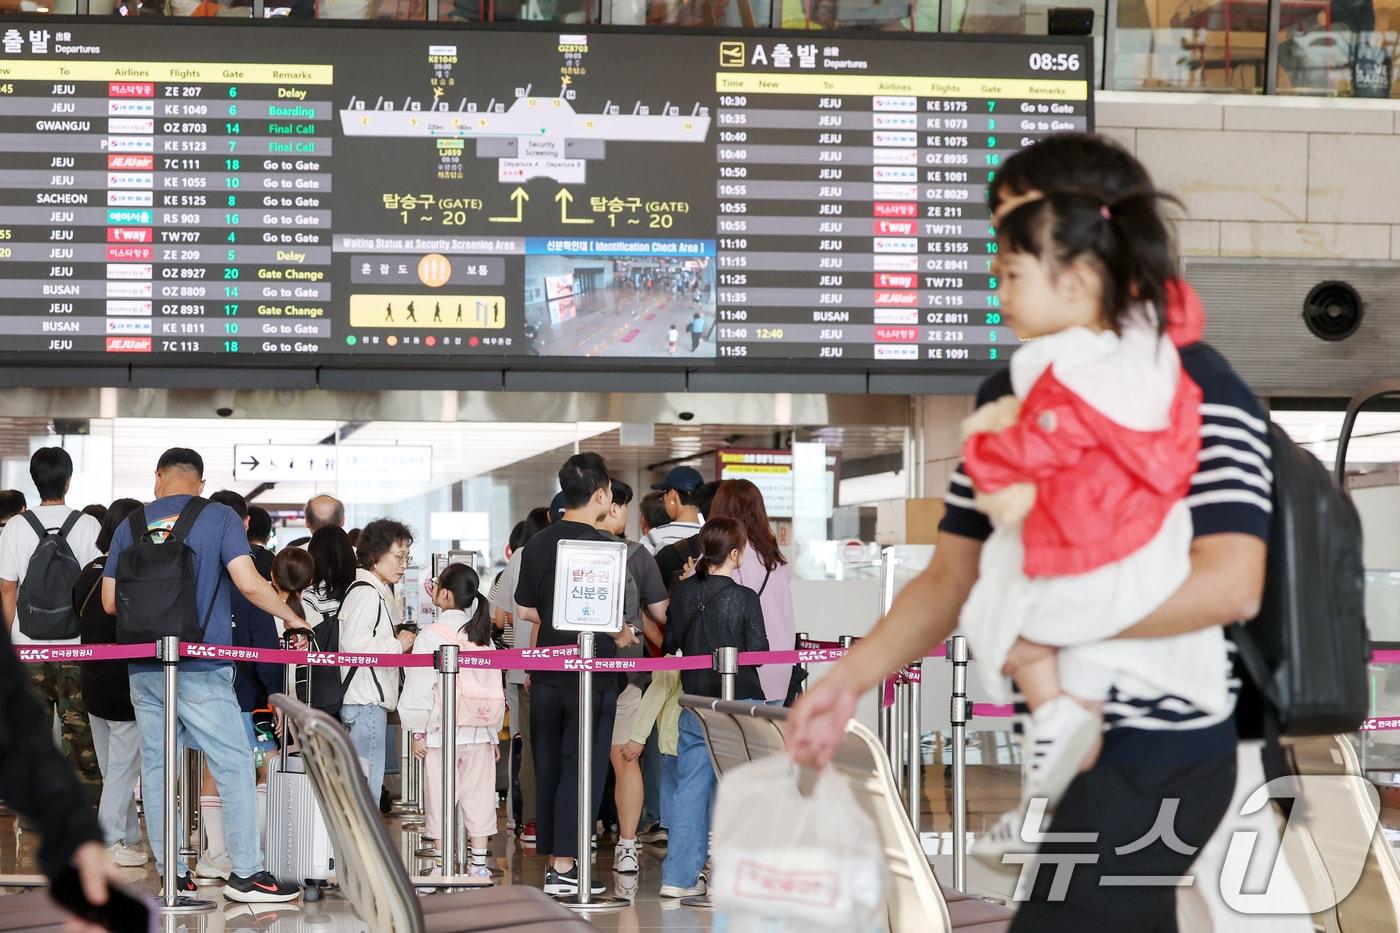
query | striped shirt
[1231, 492]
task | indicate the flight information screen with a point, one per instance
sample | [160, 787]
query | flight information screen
[492, 197]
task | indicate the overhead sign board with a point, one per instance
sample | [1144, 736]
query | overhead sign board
[323, 463]
[771, 472]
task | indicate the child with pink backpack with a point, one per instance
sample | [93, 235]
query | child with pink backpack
[464, 619]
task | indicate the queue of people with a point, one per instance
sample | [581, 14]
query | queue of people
[724, 582]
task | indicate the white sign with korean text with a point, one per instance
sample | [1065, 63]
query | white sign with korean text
[347, 463]
[589, 580]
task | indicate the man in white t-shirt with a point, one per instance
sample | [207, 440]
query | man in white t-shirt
[57, 683]
[681, 490]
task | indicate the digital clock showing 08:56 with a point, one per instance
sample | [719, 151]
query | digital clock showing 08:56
[1054, 61]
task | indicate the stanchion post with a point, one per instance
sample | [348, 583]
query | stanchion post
[958, 716]
[168, 650]
[447, 673]
[585, 899]
[727, 664]
[914, 777]
[801, 637]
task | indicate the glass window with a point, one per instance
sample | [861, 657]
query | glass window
[711, 13]
[1192, 45]
[1343, 47]
[513, 11]
[887, 15]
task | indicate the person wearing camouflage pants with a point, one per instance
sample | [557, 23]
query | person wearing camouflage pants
[57, 684]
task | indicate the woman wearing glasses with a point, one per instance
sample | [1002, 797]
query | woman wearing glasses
[368, 620]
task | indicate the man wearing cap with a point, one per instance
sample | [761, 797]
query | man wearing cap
[682, 499]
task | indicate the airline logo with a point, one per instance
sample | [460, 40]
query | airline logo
[129, 308]
[896, 104]
[889, 244]
[130, 290]
[130, 180]
[133, 162]
[130, 271]
[130, 254]
[897, 299]
[442, 50]
[118, 325]
[130, 108]
[892, 263]
[130, 125]
[131, 89]
[131, 198]
[886, 209]
[896, 157]
[887, 280]
[896, 352]
[903, 140]
[897, 193]
[896, 315]
[896, 121]
[897, 335]
[128, 344]
[129, 144]
[125, 216]
[895, 228]
[130, 235]
[896, 173]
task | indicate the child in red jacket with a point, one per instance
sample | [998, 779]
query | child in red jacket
[1084, 473]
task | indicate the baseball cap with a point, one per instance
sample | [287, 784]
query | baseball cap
[682, 479]
[556, 507]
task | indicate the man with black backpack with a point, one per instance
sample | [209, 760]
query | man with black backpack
[170, 571]
[42, 551]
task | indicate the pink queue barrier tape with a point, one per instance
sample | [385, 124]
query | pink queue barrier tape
[1379, 724]
[34, 654]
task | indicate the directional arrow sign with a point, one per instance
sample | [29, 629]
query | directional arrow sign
[318, 463]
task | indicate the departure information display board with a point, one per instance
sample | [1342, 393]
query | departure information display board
[495, 197]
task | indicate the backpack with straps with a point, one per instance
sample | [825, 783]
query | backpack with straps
[157, 583]
[45, 606]
[1306, 652]
[481, 700]
[328, 689]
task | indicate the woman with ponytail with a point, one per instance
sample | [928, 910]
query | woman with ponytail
[708, 610]
[464, 620]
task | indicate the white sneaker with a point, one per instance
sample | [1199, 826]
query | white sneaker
[1062, 735]
[214, 865]
[127, 856]
[625, 859]
[673, 891]
[1003, 839]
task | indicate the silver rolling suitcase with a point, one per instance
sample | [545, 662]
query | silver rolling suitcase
[298, 842]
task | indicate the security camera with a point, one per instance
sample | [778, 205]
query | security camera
[224, 412]
[686, 416]
[1333, 311]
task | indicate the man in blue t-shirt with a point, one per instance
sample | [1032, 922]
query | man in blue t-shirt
[208, 706]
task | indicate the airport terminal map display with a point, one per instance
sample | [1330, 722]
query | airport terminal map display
[480, 196]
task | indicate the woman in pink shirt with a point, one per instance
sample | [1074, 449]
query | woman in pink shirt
[765, 571]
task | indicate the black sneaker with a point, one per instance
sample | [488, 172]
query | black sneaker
[261, 888]
[184, 884]
[558, 883]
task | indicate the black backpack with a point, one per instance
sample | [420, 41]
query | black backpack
[156, 582]
[327, 688]
[1305, 655]
[45, 607]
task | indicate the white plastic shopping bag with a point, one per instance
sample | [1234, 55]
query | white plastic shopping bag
[788, 863]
